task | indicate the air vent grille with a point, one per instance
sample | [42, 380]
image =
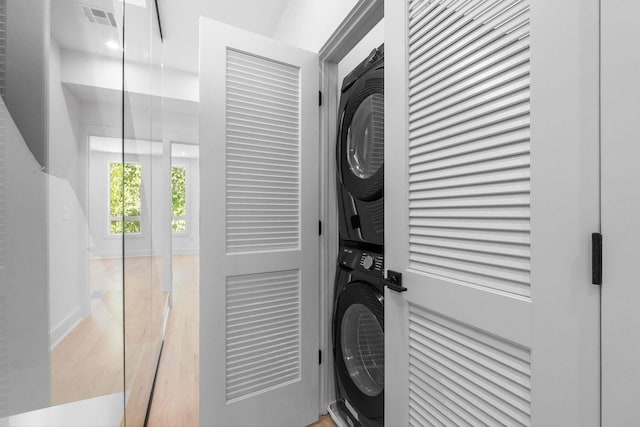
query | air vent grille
[99, 16]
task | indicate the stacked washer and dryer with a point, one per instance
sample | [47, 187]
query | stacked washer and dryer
[358, 316]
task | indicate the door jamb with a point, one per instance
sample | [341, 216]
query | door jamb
[362, 18]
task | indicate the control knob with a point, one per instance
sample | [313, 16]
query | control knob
[367, 262]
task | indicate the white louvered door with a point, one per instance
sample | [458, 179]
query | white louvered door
[492, 194]
[259, 309]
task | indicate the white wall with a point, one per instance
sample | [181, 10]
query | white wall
[26, 69]
[189, 242]
[309, 23]
[69, 295]
[106, 120]
[103, 72]
[24, 306]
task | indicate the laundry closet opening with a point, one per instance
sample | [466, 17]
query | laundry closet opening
[358, 295]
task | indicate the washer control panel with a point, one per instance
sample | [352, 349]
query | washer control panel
[371, 262]
[357, 259]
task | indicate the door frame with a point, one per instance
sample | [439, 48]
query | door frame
[362, 18]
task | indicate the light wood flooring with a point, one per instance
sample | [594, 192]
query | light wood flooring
[176, 394]
[90, 361]
[324, 421]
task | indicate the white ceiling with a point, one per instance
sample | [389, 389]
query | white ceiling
[180, 24]
[71, 29]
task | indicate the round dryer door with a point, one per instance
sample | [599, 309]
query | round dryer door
[365, 137]
[361, 147]
[359, 341]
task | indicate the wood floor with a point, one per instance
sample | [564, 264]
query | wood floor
[90, 361]
[176, 394]
[324, 421]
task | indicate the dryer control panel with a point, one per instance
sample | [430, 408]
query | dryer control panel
[357, 259]
[371, 262]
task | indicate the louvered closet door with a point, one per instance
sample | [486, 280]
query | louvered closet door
[493, 109]
[259, 248]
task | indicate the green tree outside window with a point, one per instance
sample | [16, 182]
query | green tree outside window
[125, 198]
[179, 199]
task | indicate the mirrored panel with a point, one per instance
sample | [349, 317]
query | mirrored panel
[61, 295]
[84, 255]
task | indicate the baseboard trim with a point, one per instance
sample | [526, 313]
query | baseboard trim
[186, 251]
[65, 327]
[128, 254]
[131, 254]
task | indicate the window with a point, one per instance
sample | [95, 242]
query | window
[125, 201]
[179, 199]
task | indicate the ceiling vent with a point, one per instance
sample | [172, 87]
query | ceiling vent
[99, 16]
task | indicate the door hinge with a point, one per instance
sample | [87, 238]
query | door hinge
[319, 99]
[319, 228]
[596, 258]
[394, 281]
[319, 357]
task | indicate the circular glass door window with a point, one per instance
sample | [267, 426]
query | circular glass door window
[365, 137]
[362, 342]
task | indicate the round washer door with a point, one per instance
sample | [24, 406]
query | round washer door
[361, 144]
[359, 347]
